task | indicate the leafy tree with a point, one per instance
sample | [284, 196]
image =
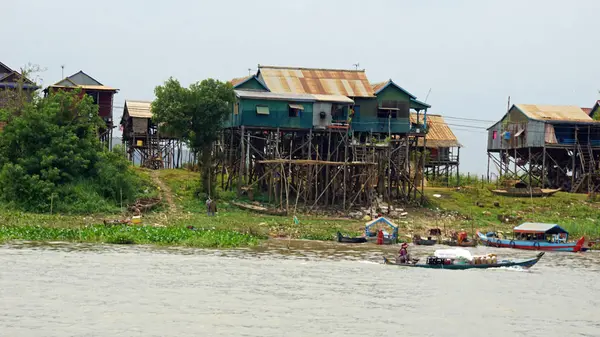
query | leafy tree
[195, 114]
[50, 154]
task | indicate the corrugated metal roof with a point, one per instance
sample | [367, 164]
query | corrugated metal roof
[587, 110]
[567, 113]
[239, 80]
[292, 97]
[81, 80]
[378, 87]
[138, 109]
[86, 87]
[594, 109]
[439, 133]
[536, 227]
[350, 83]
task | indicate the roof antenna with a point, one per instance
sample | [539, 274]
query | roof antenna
[62, 66]
[249, 71]
[356, 65]
[426, 97]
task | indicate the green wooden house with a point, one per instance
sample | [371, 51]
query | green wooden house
[388, 111]
[304, 98]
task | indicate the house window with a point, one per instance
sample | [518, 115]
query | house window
[356, 109]
[295, 110]
[262, 110]
[94, 96]
[494, 134]
[386, 112]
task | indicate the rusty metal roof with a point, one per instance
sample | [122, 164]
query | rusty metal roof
[239, 80]
[559, 113]
[250, 94]
[138, 109]
[378, 87]
[81, 80]
[439, 133]
[594, 109]
[350, 83]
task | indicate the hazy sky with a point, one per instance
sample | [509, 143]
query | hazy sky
[471, 54]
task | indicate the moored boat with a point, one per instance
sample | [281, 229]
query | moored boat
[380, 236]
[346, 239]
[454, 243]
[464, 260]
[537, 236]
[524, 193]
[417, 240]
[423, 242]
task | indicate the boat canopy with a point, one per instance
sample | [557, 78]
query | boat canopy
[537, 228]
[383, 220]
[453, 253]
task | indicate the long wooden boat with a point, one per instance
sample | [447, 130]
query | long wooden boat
[346, 239]
[424, 242]
[454, 243]
[259, 209]
[525, 193]
[523, 263]
[578, 246]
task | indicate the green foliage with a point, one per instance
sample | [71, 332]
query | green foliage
[51, 159]
[196, 115]
[569, 210]
[175, 235]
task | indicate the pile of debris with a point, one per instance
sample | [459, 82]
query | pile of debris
[144, 205]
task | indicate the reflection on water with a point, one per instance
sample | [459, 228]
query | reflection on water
[287, 288]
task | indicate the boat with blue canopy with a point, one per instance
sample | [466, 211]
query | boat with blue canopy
[461, 259]
[388, 238]
[537, 236]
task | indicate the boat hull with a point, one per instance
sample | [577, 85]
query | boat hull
[425, 242]
[462, 244]
[533, 245]
[346, 239]
[523, 263]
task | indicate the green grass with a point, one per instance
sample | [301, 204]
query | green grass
[233, 227]
[174, 235]
[572, 211]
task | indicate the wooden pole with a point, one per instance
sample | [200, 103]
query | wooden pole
[530, 170]
[573, 161]
[488, 168]
[544, 167]
[345, 138]
[242, 163]
[327, 167]
[458, 168]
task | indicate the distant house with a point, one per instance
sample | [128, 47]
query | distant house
[144, 142]
[550, 145]
[442, 145]
[331, 98]
[102, 96]
[593, 111]
[11, 80]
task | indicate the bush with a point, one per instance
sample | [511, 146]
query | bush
[52, 158]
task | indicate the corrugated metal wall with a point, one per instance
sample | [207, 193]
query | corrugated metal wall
[318, 122]
[535, 134]
[278, 114]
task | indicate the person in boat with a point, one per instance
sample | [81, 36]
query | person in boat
[403, 256]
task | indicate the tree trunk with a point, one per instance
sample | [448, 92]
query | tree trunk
[207, 176]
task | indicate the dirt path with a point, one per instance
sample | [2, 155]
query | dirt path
[165, 190]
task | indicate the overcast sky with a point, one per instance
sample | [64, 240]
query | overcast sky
[472, 54]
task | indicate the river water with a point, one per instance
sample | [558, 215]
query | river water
[287, 289]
